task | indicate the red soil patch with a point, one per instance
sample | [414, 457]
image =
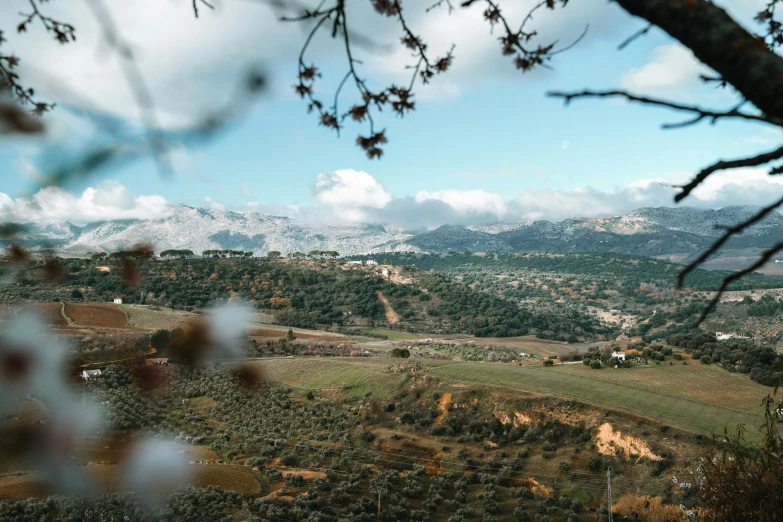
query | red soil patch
[304, 336]
[22, 487]
[106, 315]
[52, 314]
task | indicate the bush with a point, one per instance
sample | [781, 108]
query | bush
[596, 365]
[705, 359]
[403, 353]
[549, 362]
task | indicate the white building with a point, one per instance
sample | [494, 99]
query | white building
[720, 336]
[89, 374]
[117, 300]
[371, 262]
[619, 355]
[353, 262]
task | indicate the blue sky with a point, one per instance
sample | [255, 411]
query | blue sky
[485, 133]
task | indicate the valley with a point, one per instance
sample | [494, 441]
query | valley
[482, 385]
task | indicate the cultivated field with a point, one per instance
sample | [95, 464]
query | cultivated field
[279, 332]
[52, 314]
[147, 318]
[106, 315]
[693, 397]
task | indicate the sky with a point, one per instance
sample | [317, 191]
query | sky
[485, 142]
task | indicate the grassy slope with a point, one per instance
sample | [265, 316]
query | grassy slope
[692, 397]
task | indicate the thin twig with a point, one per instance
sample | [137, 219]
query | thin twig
[761, 261]
[753, 161]
[638, 34]
[728, 234]
[701, 113]
[195, 6]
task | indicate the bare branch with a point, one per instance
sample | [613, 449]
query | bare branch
[761, 261]
[440, 3]
[136, 81]
[195, 6]
[700, 113]
[638, 34]
[754, 161]
[722, 44]
[728, 234]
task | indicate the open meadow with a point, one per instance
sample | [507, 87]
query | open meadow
[698, 398]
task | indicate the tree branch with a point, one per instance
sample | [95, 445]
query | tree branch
[700, 113]
[638, 34]
[761, 261]
[195, 6]
[728, 234]
[718, 41]
[754, 161]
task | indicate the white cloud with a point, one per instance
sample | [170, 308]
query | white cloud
[467, 201]
[671, 67]
[214, 205]
[349, 192]
[189, 65]
[108, 201]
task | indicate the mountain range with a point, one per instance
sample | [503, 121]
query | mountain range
[656, 232]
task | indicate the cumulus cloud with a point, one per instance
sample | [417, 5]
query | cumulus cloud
[671, 67]
[214, 205]
[351, 197]
[108, 201]
[467, 201]
[738, 187]
[349, 192]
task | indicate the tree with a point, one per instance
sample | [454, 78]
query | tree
[290, 336]
[273, 254]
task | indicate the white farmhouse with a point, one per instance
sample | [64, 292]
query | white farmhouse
[353, 262]
[117, 300]
[371, 262]
[89, 374]
[619, 356]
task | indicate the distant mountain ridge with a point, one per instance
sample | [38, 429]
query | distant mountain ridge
[645, 231]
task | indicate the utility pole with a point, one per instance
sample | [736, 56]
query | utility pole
[379, 505]
[609, 491]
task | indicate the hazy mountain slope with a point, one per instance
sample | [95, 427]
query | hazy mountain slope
[645, 231]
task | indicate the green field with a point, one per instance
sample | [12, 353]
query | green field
[148, 318]
[317, 373]
[668, 394]
[391, 334]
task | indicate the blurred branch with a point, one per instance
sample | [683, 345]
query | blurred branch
[195, 6]
[136, 82]
[638, 34]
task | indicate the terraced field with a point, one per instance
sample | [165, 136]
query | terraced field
[698, 398]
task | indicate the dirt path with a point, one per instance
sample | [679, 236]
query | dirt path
[391, 315]
[445, 399]
[65, 316]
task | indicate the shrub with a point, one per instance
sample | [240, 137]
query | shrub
[549, 362]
